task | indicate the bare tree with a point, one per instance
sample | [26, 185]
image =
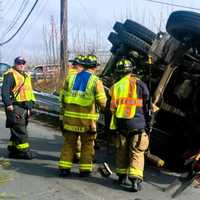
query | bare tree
[46, 43]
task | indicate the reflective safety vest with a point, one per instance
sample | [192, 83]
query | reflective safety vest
[23, 89]
[72, 71]
[124, 99]
[80, 89]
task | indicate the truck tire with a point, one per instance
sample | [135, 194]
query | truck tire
[114, 49]
[134, 43]
[139, 31]
[118, 27]
[119, 52]
[183, 25]
[114, 39]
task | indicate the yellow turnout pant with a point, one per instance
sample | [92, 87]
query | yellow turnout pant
[130, 154]
[70, 147]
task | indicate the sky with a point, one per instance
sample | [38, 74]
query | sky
[89, 23]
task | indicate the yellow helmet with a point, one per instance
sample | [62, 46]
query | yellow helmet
[79, 59]
[124, 66]
[90, 61]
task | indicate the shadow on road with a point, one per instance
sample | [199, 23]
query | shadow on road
[47, 156]
[43, 144]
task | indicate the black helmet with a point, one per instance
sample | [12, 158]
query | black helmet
[78, 60]
[124, 66]
[90, 61]
[19, 60]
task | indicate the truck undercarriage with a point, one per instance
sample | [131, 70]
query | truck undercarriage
[172, 77]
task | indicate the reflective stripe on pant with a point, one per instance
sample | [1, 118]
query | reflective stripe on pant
[87, 149]
[23, 146]
[12, 146]
[86, 167]
[68, 150]
[121, 171]
[19, 137]
[64, 164]
[130, 154]
[18, 143]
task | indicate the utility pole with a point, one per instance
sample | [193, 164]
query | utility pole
[63, 38]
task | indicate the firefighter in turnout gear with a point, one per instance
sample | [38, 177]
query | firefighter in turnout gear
[130, 118]
[18, 99]
[77, 66]
[83, 96]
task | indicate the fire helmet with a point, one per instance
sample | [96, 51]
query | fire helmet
[90, 61]
[124, 66]
[78, 60]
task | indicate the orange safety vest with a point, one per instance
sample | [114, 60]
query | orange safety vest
[124, 99]
[23, 89]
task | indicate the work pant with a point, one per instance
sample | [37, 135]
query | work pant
[130, 154]
[77, 154]
[69, 149]
[17, 121]
[78, 148]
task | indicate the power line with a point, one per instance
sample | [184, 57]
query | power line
[16, 18]
[33, 23]
[5, 42]
[172, 4]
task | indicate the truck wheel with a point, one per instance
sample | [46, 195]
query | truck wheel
[114, 49]
[139, 31]
[184, 25]
[118, 27]
[114, 39]
[134, 43]
[117, 53]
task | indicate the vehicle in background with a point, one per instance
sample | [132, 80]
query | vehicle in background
[3, 68]
[45, 71]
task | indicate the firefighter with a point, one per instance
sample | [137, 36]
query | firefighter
[82, 97]
[130, 118]
[18, 99]
[76, 64]
[76, 68]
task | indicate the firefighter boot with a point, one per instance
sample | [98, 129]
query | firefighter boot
[13, 151]
[65, 172]
[13, 154]
[122, 179]
[136, 184]
[27, 155]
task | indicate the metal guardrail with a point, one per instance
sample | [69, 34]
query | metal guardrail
[49, 104]
[45, 103]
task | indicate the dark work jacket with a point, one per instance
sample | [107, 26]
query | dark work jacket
[141, 119]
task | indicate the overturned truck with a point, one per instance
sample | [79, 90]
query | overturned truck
[173, 78]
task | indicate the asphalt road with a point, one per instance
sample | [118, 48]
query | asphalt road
[38, 179]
